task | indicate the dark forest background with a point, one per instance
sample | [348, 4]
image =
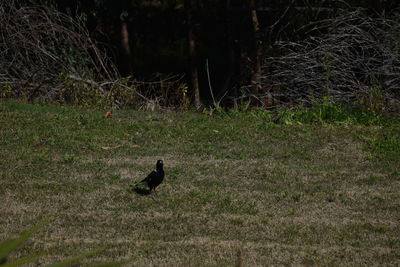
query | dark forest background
[225, 51]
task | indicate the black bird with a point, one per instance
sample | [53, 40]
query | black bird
[152, 180]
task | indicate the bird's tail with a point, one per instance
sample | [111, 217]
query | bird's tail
[140, 183]
[142, 188]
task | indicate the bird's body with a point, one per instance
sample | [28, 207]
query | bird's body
[155, 178]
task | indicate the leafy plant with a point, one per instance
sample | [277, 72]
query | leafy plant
[10, 245]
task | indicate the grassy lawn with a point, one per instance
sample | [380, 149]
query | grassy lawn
[238, 188]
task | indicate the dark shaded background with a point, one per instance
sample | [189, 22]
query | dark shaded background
[158, 33]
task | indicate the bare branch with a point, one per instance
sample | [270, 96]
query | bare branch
[355, 59]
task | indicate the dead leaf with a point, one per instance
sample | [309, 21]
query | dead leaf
[108, 114]
[110, 147]
[134, 146]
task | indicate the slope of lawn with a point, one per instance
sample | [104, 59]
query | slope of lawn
[239, 188]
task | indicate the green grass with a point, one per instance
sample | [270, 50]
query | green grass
[319, 191]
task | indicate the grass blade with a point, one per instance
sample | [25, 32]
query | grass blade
[7, 246]
[23, 260]
[72, 260]
[112, 264]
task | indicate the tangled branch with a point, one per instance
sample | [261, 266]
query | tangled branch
[48, 55]
[40, 48]
[357, 58]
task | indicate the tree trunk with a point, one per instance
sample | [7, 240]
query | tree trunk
[256, 58]
[126, 64]
[234, 17]
[194, 76]
[230, 48]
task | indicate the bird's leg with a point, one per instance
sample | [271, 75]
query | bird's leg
[153, 196]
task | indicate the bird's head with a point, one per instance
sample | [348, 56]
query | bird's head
[159, 164]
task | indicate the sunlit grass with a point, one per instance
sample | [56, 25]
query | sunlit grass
[281, 191]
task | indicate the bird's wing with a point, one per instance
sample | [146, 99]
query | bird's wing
[153, 175]
[148, 178]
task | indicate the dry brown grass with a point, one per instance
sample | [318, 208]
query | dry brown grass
[303, 196]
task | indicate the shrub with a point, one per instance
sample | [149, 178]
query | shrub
[353, 58]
